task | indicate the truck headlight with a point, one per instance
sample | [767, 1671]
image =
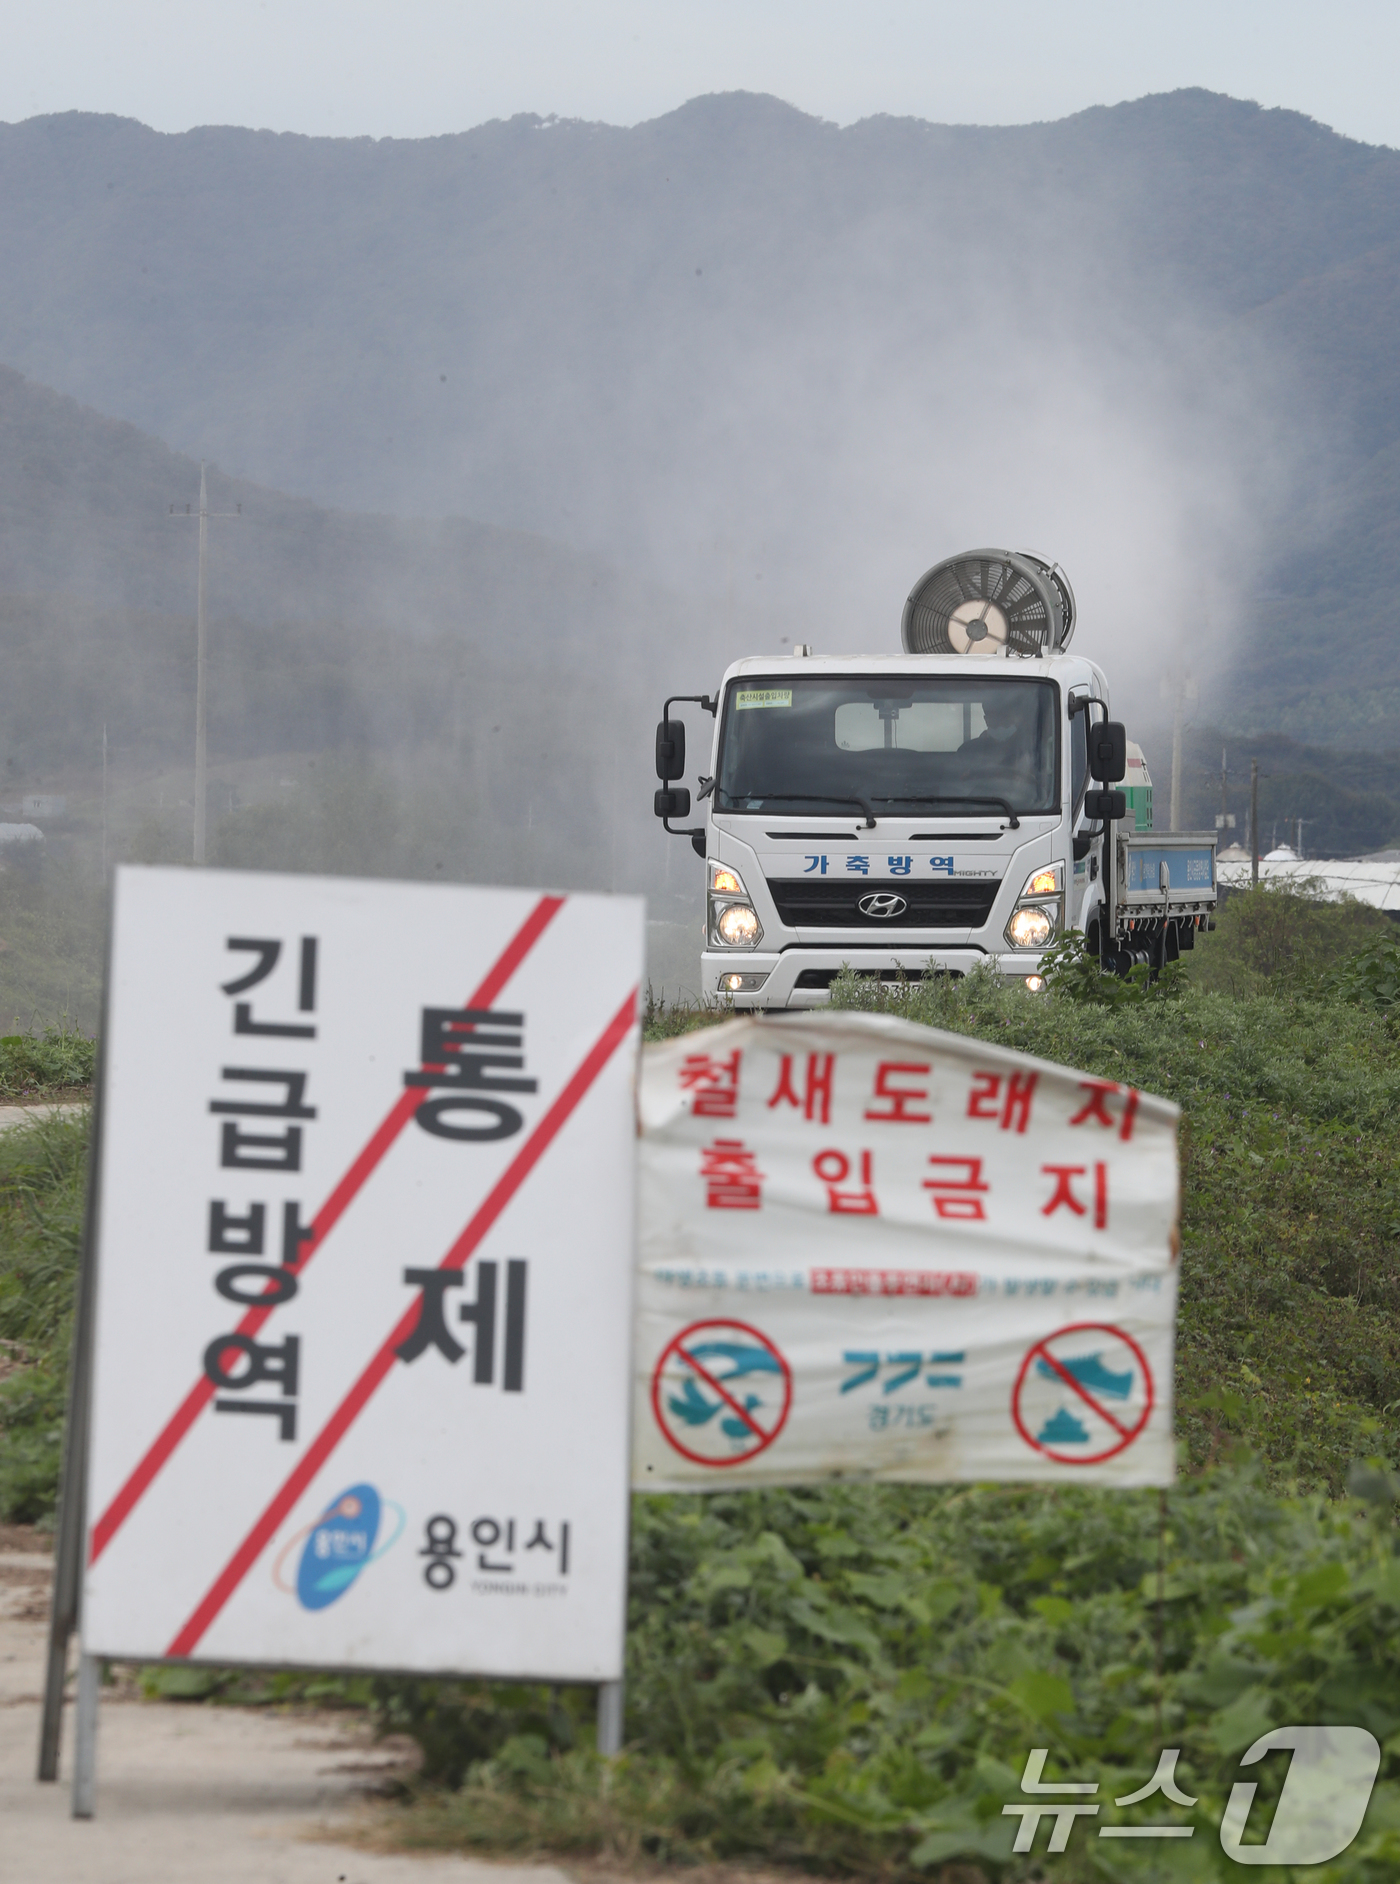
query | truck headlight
[1031, 926]
[733, 920]
[737, 926]
[1034, 922]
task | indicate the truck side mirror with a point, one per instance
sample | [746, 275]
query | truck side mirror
[670, 756]
[1106, 805]
[1108, 751]
[674, 801]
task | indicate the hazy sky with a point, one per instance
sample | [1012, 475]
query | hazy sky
[414, 68]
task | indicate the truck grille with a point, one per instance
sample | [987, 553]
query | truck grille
[952, 904]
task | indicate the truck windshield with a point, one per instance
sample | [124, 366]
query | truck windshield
[796, 744]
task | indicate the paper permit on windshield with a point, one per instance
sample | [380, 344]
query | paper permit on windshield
[762, 697]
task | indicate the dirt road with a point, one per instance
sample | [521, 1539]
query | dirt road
[11, 1116]
[186, 1793]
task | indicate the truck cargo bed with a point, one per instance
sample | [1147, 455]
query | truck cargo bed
[1165, 873]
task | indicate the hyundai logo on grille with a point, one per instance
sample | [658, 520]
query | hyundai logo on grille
[882, 904]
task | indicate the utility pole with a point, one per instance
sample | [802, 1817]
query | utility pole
[1185, 695]
[1224, 821]
[104, 801]
[1175, 817]
[201, 743]
[1254, 820]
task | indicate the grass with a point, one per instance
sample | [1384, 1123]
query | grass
[663, 1019]
[56, 1063]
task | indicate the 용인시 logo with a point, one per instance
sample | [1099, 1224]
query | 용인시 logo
[341, 1543]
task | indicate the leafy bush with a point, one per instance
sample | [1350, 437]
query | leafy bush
[1282, 936]
[1370, 977]
[1072, 970]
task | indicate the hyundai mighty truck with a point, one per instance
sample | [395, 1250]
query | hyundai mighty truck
[931, 811]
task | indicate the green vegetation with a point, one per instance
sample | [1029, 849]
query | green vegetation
[663, 1019]
[45, 1065]
[850, 1677]
[1371, 976]
[42, 1169]
[1276, 939]
[256, 1687]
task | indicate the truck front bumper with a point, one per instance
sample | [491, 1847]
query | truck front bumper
[802, 977]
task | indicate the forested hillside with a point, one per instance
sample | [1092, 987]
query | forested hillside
[440, 643]
[785, 365]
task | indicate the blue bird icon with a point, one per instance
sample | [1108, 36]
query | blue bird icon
[1091, 1374]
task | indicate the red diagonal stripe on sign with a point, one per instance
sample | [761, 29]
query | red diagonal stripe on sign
[364, 1388]
[712, 1380]
[322, 1224]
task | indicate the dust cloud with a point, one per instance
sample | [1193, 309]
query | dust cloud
[677, 462]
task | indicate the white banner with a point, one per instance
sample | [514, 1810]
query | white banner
[871, 1249]
[364, 1276]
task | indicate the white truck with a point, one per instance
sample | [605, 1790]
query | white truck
[930, 811]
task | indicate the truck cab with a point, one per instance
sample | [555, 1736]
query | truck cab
[935, 810]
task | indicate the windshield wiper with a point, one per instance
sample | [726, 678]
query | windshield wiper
[810, 798]
[1013, 822]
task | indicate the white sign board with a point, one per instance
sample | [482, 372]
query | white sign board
[364, 1276]
[876, 1250]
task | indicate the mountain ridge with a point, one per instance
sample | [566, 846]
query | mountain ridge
[715, 348]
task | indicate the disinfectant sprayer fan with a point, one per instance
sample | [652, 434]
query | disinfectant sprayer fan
[990, 602]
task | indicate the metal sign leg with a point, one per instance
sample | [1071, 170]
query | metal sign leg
[610, 1697]
[52, 1724]
[68, 1571]
[85, 1737]
[68, 1558]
